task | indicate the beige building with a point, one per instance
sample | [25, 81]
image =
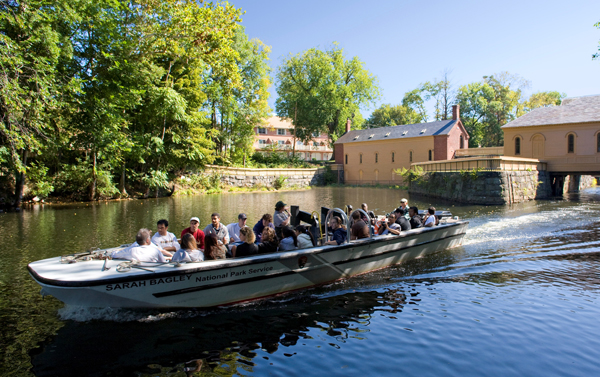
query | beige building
[566, 137]
[371, 156]
[277, 134]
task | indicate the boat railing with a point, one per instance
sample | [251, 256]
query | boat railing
[344, 218]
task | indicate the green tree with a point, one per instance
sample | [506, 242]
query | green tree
[320, 90]
[388, 115]
[597, 54]
[542, 99]
[443, 93]
[32, 45]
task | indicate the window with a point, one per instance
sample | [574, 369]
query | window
[346, 159]
[410, 156]
[315, 134]
[262, 130]
[598, 142]
[430, 155]
[571, 143]
[376, 157]
[462, 142]
[360, 158]
[299, 143]
[315, 144]
[393, 156]
[281, 131]
[261, 141]
[517, 146]
[281, 142]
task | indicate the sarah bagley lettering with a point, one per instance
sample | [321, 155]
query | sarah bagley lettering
[144, 283]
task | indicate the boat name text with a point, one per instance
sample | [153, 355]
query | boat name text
[143, 283]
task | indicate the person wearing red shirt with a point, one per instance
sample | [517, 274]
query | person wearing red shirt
[195, 231]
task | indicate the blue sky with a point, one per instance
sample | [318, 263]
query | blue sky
[405, 43]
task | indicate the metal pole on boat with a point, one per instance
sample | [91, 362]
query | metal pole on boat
[368, 225]
[344, 218]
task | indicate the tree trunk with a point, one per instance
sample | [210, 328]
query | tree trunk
[94, 177]
[122, 182]
[20, 182]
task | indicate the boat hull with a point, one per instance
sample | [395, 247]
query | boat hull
[215, 283]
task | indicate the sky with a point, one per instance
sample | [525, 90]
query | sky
[405, 43]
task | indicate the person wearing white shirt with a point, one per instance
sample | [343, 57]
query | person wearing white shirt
[166, 241]
[189, 251]
[144, 251]
[234, 228]
[431, 220]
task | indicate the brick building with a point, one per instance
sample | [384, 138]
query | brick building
[372, 155]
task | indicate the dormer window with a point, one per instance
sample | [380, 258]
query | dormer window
[356, 137]
[388, 134]
[404, 133]
[423, 130]
[371, 136]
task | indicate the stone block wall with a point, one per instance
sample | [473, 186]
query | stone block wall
[239, 177]
[502, 187]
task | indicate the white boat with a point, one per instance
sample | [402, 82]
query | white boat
[115, 283]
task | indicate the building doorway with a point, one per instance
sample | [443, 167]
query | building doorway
[538, 146]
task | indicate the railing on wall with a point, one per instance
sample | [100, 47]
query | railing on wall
[263, 172]
[499, 163]
[479, 152]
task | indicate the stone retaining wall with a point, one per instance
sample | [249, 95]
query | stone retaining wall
[502, 187]
[243, 177]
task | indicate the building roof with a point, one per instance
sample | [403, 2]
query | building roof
[398, 132]
[572, 110]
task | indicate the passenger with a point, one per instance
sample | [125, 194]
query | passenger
[372, 218]
[234, 228]
[339, 232]
[195, 231]
[430, 219]
[213, 249]
[305, 237]
[217, 229]
[415, 219]
[281, 218]
[390, 226]
[189, 250]
[166, 241]
[265, 221]
[248, 247]
[290, 240]
[359, 228]
[269, 241]
[401, 219]
[144, 251]
[404, 206]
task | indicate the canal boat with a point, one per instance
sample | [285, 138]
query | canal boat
[91, 280]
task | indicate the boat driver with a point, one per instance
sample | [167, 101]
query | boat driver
[144, 251]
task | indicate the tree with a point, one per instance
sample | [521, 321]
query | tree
[542, 99]
[597, 55]
[320, 90]
[388, 115]
[442, 91]
[32, 44]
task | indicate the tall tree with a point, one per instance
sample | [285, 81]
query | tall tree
[443, 93]
[542, 99]
[597, 54]
[320, 90]
[32, 44]
[388, 115]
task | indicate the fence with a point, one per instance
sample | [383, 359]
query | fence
[499, 163]
[479, 152]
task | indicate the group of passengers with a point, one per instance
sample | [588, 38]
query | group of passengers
[270, 234]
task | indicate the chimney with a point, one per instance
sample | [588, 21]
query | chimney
[348, 124]
[455, 112]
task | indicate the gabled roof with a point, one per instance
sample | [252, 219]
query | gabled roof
[398, 132]
[572, 110]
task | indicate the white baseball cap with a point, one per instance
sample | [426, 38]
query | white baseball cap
[195, 219]
[403, 200]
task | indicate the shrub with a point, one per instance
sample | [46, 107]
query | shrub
[414, 174]
[39, 183]
[279, 182]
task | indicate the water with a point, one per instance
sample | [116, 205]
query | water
[520, 297]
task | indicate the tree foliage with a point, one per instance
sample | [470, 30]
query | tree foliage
[124, 90]
[321, 90]
[388, 115]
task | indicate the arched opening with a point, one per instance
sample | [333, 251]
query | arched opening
[360, 158]
[517, 146]
[598, 142]
[346, 159]
[571, 143]
[410, 156]
[538, 146]
[376, 175]
[360, 175]
[430, 155]
[376, 157]
[462, 142]
[394, 154]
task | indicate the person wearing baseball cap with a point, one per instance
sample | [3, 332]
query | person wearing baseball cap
[195, 231]
[404, 206]
[281, 217]
[234, 228]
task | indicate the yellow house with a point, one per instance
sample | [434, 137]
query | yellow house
[371, 156]
[566, 137]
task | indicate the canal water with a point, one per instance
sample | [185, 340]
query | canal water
[520, 297]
